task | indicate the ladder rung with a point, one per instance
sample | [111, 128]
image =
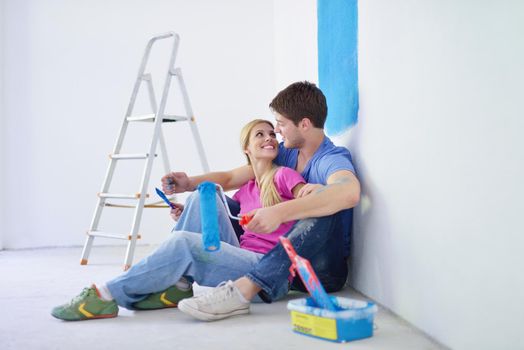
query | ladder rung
[151, 117]
[123, 196]
[111, 235]
[130, 156]
[152, 205]
[142, 118]
[174, 118]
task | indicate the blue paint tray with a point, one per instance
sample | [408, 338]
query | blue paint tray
[353, 320]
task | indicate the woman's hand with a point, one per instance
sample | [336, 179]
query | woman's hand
[308, 189]
[176, 211]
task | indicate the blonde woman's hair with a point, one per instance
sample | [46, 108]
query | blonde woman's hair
[268, 191]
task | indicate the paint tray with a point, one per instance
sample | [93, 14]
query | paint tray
[353, 320]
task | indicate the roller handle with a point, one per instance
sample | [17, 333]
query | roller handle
[245, 219]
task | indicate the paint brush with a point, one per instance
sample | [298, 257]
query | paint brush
[308, 276]
[164, 197]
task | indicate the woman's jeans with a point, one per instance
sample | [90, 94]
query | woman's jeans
[183, 255]
[320, 240]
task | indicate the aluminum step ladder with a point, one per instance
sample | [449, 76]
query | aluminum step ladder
[157, 117]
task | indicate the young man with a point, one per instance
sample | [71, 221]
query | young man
[321, 235]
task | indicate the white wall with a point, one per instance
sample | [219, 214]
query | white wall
[69, 70]
[296, 58]
[440, 153]
[2, 118]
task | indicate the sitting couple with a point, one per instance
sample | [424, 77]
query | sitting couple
[303, 188]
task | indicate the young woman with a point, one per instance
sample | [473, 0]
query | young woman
[164, 278]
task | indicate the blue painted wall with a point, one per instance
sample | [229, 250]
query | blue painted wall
[337, 61]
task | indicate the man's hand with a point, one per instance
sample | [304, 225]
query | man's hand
[264, 220]
[308, 189]
[176, 183]
[176, 211]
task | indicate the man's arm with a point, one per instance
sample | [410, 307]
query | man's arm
[341, 192]
[229, 180]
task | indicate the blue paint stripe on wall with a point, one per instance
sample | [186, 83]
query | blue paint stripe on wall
[337, 61]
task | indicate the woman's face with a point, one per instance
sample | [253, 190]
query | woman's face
[263, 142]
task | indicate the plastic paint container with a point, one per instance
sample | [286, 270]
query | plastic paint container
[353, 320]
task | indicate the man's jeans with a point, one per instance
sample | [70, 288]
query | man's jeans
[320, 240]
[182, 255]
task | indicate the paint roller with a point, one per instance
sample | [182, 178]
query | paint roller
[209, 214]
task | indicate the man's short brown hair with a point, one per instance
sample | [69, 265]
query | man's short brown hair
[301, 100]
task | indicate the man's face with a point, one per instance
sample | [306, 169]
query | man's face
[290, 133]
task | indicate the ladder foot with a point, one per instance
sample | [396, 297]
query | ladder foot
[83, 262]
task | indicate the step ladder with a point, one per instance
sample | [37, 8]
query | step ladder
[157, 117]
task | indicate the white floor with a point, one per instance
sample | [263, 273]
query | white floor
[33, 281]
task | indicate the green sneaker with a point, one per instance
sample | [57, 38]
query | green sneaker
[168, 298]
[86, 306]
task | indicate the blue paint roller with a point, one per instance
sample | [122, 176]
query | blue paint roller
[209, 216]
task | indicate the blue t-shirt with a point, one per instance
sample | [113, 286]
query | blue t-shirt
[327, 160]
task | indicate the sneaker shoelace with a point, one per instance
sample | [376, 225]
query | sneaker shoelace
[221, 292]
[85, 293]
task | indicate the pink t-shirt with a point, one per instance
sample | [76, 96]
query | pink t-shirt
[249, 198]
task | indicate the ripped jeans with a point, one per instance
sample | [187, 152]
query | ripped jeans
[320, 240]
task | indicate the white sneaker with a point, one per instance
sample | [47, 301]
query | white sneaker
[223, 301]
